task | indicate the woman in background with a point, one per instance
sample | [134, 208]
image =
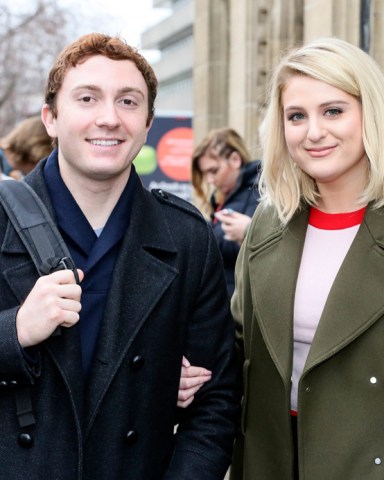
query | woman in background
[222, 163]
[25, 145]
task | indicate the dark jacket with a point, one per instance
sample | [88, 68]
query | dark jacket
[243, 199]
[166, 299]
[341, 395]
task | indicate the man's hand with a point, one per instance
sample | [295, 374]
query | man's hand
[191, 380]
[53, 301]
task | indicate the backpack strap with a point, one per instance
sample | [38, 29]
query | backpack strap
[35, 228]
[41, 238]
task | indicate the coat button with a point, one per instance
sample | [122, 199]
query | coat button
[25, 440]
[373, 380]
[163, 194]
[137, 362]
[3, 384]
[378, 461]
[131, 437]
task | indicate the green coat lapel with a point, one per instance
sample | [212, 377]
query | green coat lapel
[273, 263]
[356, 299]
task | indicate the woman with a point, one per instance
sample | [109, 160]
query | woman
[222, 162]
[25, 145]
[309, 301]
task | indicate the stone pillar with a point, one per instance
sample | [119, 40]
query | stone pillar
[211, 33]
[377, 32]
[325, 18]
[250, 22]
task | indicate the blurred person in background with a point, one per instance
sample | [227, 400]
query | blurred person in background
[225, 182]
[3, 176]
[25, 145]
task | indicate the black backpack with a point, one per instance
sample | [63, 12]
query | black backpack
[47, 249]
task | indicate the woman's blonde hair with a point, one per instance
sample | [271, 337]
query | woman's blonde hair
[348, 68]
[219, 142]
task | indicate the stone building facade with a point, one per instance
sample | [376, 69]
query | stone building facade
[238, 41]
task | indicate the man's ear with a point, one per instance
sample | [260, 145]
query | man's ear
[235, 160]
[49, 120]
[150, 122]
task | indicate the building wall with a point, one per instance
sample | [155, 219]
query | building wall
[173, 36]
[237, 43]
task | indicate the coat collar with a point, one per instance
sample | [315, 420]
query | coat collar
[354, 303]
[142, 275]
[274, 260]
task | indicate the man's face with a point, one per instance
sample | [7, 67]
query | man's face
[101, 123]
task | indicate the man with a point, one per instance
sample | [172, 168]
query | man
[99, 400]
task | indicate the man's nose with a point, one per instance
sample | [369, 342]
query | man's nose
[108, 116]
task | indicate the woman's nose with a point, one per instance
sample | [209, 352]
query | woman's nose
[210, 178]
[316, 130]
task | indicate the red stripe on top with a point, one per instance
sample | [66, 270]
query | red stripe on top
[335, 221]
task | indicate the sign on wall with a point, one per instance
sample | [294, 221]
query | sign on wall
[165, 160]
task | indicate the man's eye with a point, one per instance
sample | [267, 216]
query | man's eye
[129, 101]
[86, 99]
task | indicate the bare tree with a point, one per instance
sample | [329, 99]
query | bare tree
[29, 41]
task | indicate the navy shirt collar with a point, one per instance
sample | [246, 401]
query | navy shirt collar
[73, 223]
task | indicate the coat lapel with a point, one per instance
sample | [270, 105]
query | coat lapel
[140, 279]
[356, 299]
[273, 266]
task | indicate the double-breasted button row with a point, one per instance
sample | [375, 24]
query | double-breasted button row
[136, 362]
[8, 383]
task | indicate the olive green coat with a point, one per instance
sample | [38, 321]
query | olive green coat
[341, 391]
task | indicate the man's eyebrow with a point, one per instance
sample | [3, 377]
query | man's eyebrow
[120, 91]
[131, 90]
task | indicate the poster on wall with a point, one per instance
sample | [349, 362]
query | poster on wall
[165, 160]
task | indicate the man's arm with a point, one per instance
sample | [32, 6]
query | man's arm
[207, 428]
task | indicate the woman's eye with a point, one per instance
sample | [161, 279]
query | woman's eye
[333, 112]
[296, 116]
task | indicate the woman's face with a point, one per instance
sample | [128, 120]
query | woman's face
[221, 172]
[323, 132]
